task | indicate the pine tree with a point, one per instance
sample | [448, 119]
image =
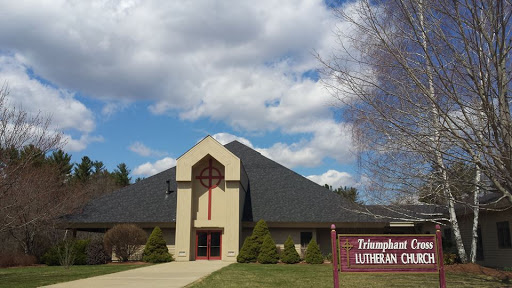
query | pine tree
[156, 249]
[98, 167]
[249, 251]
[313, 254]
[83, 170]
[259, 232]
[32, 154]
[121, 175]
[61, 160]
[252, 244]
[268, 253]
[290, 255]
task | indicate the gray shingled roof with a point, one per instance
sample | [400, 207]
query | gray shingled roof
[276, 194]
[143, 202]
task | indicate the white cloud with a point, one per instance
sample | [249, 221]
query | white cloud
[162, 50]
[231, 61]
[112, 108]
[76, 145]
[335, 179]
[225, 138]
[143, 150]
[248, 53]
[34, 97]
[262, 100]
[148, 169]
[330, 139]
[297, 154]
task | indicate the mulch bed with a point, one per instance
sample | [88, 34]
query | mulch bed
[477, 269]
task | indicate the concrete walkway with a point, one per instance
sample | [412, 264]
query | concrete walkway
[173, 274]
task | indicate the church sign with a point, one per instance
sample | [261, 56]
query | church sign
[388, 253]
[378, 253]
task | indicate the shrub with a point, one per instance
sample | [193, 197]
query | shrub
[252, 244]
[450, 258]
[125, 240]
[259, 233]
[13, 259]
[80, 248]
[156, 249]
[96, 253]
[290, 255]
[51, 257]
[44, 240]
[313, 254]
[249, 251]
[268, 253]
[67, 253]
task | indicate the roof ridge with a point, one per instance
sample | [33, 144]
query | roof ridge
[269, 159]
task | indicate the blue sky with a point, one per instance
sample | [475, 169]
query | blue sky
[141, 82]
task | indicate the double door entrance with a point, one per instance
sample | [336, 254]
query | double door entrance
[208, 245]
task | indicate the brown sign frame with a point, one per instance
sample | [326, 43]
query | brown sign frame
[387, 268]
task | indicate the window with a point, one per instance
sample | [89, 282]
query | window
[448, 239]
[305, 238]
[503, 234]
[447, 234]
[479, 246]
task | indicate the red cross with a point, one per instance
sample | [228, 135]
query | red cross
[210, 185]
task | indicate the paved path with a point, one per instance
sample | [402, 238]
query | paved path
[173, 274]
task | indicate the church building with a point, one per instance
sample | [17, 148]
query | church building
[212, 199]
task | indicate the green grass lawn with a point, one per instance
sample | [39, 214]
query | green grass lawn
[296, 276]
[45, 275]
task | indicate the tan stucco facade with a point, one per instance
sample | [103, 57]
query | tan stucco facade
[210, 194]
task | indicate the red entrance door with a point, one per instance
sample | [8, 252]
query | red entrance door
[208, 245]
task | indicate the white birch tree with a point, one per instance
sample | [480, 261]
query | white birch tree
[426, 83]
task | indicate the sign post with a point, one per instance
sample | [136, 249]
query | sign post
[335, 275]
[442, 279]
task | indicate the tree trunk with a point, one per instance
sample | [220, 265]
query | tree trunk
[461, 251]
[436, 138]
[476, 210]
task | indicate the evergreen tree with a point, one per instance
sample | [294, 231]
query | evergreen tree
[349, 193]
[313, 254]
[10, 156]
[121, 175]
[83, 170]
[98, 167]
[268, 252]
[252, 244]
[290, 255]
[259, 232]
[32, 154]
[249, 251]
[156, 249]
[62, 160]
